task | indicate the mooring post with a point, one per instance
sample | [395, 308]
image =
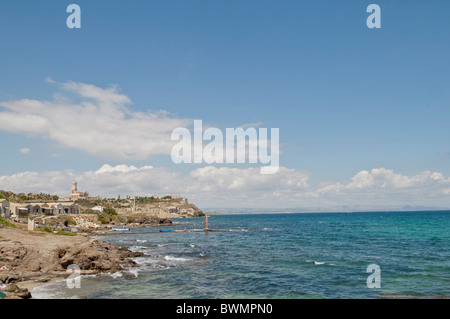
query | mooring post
[206, 222]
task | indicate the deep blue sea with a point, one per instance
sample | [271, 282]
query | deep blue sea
[321, 255]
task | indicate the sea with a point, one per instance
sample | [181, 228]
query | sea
[367, 255]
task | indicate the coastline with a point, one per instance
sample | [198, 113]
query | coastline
[30, 259]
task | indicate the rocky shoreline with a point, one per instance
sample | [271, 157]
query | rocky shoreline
[94, 224]
[29, 259]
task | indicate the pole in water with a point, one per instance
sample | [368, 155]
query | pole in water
[206, 222]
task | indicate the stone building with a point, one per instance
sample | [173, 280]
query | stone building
[5, 211]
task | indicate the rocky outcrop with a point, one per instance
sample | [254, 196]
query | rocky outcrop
[151, 220]
[165, 210]
[87, 221]
[190, 210]
[39, 257]
[96, 255]
[90, 223]
[14, 290]
[18, 257]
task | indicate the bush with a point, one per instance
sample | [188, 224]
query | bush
[48, 230]
[146, 200]
[6, 223]
[110, 211]
[103, 219]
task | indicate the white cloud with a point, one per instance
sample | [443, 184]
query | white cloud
[99, 122]
[49, 80]
[383, 186]
[206, 186]
[25, 150]
[212, 186]
[384, 178]
[119, 169]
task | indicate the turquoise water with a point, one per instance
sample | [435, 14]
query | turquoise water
[282, 256]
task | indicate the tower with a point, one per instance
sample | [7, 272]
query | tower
[74, 187]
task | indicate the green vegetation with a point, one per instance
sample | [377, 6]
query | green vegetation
[103, 219]
[6, 223]
[59, 232]
[86, 203]
[65, 233]
[89, 211]
[146, 200]
[109, 211]
[21, 197]
[47, 229]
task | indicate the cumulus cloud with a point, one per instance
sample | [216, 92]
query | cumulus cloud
[212, 186]
[99, 122]
[381, 178]
[384, 186]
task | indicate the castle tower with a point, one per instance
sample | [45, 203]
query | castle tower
[74, 187]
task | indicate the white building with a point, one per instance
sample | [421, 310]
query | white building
[38, 209]
[5, 211]
[57, 208]
[33, 208]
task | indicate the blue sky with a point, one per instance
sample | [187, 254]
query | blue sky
[346, 98]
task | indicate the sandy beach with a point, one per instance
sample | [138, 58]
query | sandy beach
[28, 259]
